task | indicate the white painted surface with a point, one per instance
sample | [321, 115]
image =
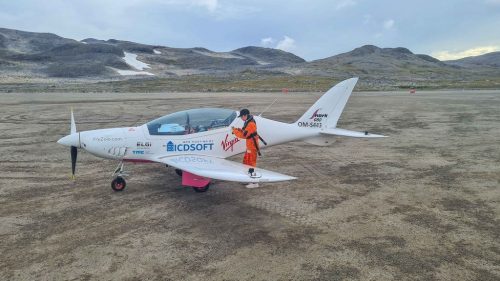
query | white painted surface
[221, 169]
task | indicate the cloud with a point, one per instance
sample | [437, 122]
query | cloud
[345, 3]
[493, 2]
[477, 51]
[389, 24]
[287, 44]
[210, 5]
[267, 42]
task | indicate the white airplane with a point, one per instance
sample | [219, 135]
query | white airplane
[196, 142]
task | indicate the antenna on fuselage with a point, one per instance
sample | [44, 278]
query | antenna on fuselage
[268, 107]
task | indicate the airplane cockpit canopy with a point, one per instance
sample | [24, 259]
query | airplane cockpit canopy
[192, 121]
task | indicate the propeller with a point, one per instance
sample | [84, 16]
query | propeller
[74, 153]
[73, 125]
[73, 142]
[74, 150]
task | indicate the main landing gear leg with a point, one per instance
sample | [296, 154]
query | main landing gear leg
[119, 183]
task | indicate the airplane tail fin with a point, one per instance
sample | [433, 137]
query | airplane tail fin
[325, 113]
[318, 125]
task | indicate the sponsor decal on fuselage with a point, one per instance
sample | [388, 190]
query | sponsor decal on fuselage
[189, 146]
[229, 144]
[103, 139]
[138, 152]
[192, 159]
[317, 115]
[315, 120]
[144, 144]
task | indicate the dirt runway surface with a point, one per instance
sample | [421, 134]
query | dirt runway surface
[423, 204]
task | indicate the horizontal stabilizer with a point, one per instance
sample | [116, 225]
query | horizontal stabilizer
[347, 133]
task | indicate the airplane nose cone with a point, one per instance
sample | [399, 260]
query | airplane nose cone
[70, 140]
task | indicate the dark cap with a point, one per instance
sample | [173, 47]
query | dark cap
[244, 111]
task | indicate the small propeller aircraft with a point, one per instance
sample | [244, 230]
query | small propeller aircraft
[196, 142]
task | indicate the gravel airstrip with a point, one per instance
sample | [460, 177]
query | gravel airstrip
[423, 204]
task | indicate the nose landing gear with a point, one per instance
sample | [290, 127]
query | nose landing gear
[119, 183]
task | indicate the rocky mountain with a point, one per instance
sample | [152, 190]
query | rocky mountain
[369, 59]
[266, 56]
[30, 42]
[490, 59]
[48, 57]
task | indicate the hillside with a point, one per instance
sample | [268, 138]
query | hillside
[370, 60]
[48, 55]
[28, 60]
[490, 59]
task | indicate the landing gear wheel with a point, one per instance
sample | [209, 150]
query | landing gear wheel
[178, 172]
[201, 189]
[118, 184]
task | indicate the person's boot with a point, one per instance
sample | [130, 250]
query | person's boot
[252, 185]
[251, 172]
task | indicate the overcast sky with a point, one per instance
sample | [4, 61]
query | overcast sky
[311, 29]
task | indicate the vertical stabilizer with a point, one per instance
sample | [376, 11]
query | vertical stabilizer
[325, 113]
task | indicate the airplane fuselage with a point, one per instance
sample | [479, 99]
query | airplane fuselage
[136, 144]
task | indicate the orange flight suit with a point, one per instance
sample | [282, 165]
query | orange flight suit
[250, 157]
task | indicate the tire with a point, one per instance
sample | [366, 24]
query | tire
[118, 184]
[178, 172]
[201, 189]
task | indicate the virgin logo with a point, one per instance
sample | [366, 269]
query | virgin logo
[228, 144]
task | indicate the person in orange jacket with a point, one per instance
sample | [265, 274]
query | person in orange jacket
[249, 132]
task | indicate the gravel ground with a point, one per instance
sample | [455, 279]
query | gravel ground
[420, 205]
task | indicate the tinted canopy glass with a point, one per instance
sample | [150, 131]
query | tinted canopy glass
[192, 121]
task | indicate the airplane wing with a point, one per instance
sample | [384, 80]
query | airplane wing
[220, 169]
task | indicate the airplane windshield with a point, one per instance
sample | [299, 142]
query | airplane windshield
[192, 121]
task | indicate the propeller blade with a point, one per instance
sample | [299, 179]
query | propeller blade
[73, 125]
[74, 153]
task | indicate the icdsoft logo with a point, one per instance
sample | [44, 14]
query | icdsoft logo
[173, 147]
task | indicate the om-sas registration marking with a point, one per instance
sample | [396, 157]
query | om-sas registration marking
[310, 124]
